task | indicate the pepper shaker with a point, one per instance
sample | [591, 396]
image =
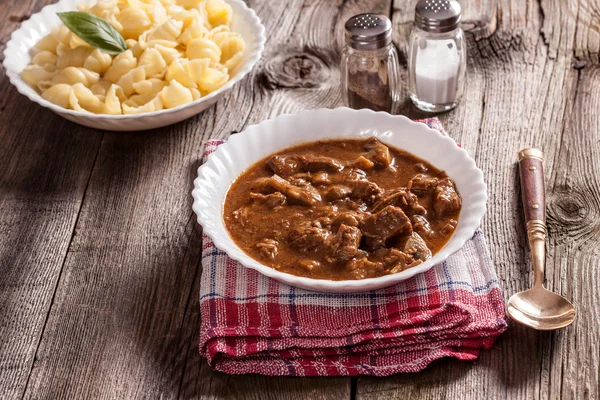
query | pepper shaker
[370, 70]
[437, 56]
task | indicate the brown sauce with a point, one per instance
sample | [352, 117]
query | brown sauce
[341, 209]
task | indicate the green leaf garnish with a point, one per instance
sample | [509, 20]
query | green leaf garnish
[94, 31]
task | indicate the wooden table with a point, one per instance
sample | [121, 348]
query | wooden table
[100, 250]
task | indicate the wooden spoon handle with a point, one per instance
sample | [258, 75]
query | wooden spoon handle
[532, 184]
[534, 205]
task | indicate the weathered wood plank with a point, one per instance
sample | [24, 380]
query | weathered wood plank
[44, 169]
[571, 357]
[530, 95]
[40, 198]
[114, 327]
[124, 322]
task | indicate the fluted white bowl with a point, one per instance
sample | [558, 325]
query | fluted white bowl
[17, 56]
[258, 141]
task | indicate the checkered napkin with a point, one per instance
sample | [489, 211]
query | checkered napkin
[254, 324]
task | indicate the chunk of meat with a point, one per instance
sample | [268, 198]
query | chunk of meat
[320, 178]
[284, 165]
[416, 247]
[361, 268]
[401, 266]
[378, 153]
[354, 204]
[271, 200]
[387, 223]
[422, 182]
[268, 248]
[345, 242]
[337, 192]
[300, 179]
[421, 225]
[290, 165]
[314, 163]
[364, 189]
[446, 199]
[401, 197]
[351, 174]
[306, 195]
[394, 260]
[308, 236]
[324, 214]
[349, 218]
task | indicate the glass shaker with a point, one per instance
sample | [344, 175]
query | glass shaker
[437, 56]
[370, 70]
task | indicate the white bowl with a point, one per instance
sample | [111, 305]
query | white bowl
[18, 55]
[258, 141]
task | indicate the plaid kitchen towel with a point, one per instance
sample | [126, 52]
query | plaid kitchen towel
[254, 324]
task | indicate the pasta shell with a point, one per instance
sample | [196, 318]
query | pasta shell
[73, 75]
[82, 99]
[100, 88]
[168, 54]
[58, 94]
[47, 43]
[127, 81]
[153, 105]
[153, 61]
[170, 30]
[122, 64]
[112, 103]
[73, 57]
[35, 74]
[219, 12]
[212, 80]
[45, 57]
[134, 22]
[98, 61]
[203, 48]
[176, 72]
[149, 86]
[175, 95]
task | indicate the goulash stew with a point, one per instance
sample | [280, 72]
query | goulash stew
[342, 209]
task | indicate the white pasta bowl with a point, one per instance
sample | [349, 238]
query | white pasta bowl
[258, 141]
[18, 55]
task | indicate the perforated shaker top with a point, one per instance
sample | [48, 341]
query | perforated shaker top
[368, 31]
[437, 15]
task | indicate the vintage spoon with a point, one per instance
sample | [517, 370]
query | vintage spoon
[537, 307]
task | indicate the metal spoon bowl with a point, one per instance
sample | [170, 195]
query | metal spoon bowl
[537, 307]
[541, 309]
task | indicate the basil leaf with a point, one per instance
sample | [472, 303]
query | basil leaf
[94, 31]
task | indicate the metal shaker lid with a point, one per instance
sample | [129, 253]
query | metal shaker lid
[437, 16]
[368, 31]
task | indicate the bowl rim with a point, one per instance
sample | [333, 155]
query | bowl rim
[22, 87]
[478, 209]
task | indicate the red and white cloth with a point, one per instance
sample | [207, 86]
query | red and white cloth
[254, 324]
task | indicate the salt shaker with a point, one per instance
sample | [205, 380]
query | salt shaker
[437, 56]
[370, 69]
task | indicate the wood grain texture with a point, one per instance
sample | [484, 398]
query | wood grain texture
[100, 251]
[124, 320]
[40, 198]
[531, 80]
